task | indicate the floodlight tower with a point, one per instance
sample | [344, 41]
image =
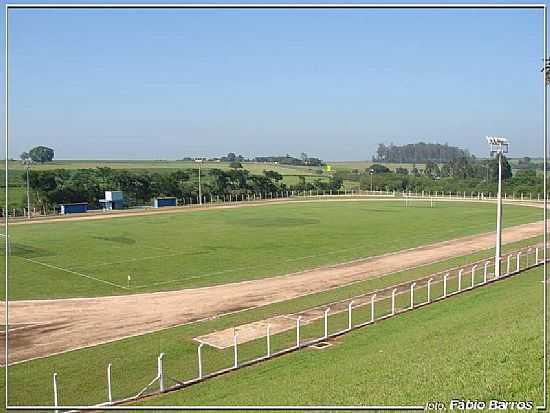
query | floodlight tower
[371, 172]
[199, 161]
[498, 147]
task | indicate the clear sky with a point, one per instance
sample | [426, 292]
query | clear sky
[164, 84]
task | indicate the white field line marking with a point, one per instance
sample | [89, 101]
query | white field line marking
[76, 273]
[127, 260]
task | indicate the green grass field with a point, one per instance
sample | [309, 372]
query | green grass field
[200, 248]
[485, 344]
[134, 359]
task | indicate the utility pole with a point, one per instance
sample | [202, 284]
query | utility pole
[199, 161]
[27, 163]
[498, 146]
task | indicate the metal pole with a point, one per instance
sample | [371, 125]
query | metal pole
[109, 383]
[517, 261]
[460, 279]
[268, 337]
[28, 195]
[412, 294]
[298, 331]
[508, 264]
[430, 289]
[393, 301]
[200, 189]
[160, 371]
[527, 258]
[235, 351]
[349, 315]
[499, 217]
[199, 358]
[326, 322]
[372, 307]
[445, 285]
[485, 271]
[55, 396]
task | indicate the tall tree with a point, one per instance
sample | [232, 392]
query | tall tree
[41, 154]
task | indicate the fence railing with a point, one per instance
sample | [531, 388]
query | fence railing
[216, 200]
[320, 324]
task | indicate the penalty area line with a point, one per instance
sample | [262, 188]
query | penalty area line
[76, 273]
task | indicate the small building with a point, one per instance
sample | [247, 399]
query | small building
[76, 208]
[165, 202]
[113, 200]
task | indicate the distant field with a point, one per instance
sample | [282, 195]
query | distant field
[254, 167]
[362, 165]
[200, 248]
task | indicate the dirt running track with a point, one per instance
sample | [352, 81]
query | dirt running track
[45, 327]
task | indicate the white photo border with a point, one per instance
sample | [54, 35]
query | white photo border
[297, 6]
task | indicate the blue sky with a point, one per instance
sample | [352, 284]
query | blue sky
[164, 84]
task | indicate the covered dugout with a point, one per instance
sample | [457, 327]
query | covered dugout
[165, 202]
[77, 208]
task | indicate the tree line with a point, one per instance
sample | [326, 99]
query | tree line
[52, 187]
[460, 175]
[419, 152]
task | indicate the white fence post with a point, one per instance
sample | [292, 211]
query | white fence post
[372, 307]
[430, 289]
[160, 371]
[485, 271]
[445, 284]
[527, 257]
[235, 351]
[393, 301]
[412, 294]
[268, 334]
[460, 279]
[298, 330]
[199, 359]
[508, 264]
[326, 322]
[55, 396]
[349, 315]
[517, 261]
[109, 383]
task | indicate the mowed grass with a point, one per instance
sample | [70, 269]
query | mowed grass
[202, 248]
[134, 359]
[482, 345]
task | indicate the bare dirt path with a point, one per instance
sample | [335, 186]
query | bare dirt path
[54, 326]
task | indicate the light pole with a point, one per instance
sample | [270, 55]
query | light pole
[371, 173]
[27, 163]
[199, 161]
[498, 146]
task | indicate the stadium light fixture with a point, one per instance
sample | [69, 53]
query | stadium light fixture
[371, 173]
[498, 146]
[199, 161]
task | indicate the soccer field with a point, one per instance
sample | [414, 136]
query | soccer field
[201, 248]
